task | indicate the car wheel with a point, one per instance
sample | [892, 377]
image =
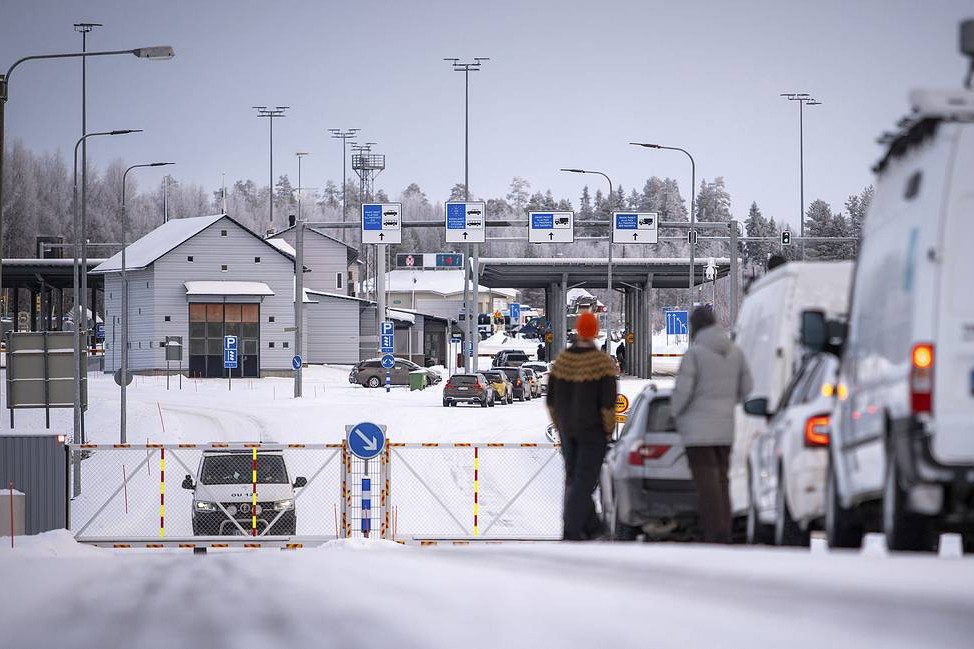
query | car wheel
[757, 532]
[619, 531]
[843, 529]
[491, 403]
[483, 404]
[374, 382]
[522, 397]
[787, 531]
[905, 531]
[446, 404]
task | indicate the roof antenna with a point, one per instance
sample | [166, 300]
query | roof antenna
[967, 48]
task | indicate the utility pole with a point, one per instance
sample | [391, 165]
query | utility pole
[298, 296]
[471, 264]
[271, 114]
[802, 98]
[344, 135]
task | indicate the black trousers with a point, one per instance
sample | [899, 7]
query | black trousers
[708, 464]
[583, 463]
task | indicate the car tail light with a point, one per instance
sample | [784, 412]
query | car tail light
[817, 431]
[644, 452]
[519, 382]
[921, 378]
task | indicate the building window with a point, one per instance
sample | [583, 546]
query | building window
[140, 310]
[189, 258]
[338, 280]
[223, 233]
[256, 260]
[270, 318]
[271, 345]
[286, 344]
[223, 268]
[162, 343]
[147, 284]
[168, 318]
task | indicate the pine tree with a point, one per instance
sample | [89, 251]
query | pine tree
[585, 209]
[518, 195]
[458, 192]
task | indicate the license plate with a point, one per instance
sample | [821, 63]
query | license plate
[463, 389]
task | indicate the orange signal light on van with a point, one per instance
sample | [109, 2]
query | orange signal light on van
[817, 431]
[922, 356]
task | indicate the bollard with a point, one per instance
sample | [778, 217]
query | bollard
[10, 492]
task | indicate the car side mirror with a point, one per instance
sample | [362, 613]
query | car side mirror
[837, 333]
[188, 482]
[814, 331]
[757, 407]
[299, 482]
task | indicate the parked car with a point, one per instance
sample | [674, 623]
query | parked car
[646, 485]
[541, 371]
[371, 374]
[522, 389]
[510, 358]
[767, 331]
[468, 388]
[223, 497]
[503, 389]
[533, 381]
[902, 457]
[790, 456]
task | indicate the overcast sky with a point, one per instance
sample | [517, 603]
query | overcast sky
[569, 84]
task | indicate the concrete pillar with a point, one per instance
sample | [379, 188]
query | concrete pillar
[650, 310]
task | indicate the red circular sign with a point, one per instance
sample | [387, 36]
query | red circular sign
[410, 261]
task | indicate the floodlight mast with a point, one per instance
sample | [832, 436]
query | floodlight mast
[271, 114]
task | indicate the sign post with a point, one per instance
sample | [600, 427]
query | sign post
[635, 227]
[387, 345]
[551, 227]
[366, 441]
[515, 309]
[230, 358]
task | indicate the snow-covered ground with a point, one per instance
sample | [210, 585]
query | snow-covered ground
[380, 594]
[208, 410]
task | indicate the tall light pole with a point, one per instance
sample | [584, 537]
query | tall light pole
[608, 308]
[802, 98]
[157, 53]
[80, 271]
[124, 372]
[300, 154]
[271, 114]
[344, 135]
[471, 311]
[693, 211]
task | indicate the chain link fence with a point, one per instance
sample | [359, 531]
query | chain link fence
[173, 492]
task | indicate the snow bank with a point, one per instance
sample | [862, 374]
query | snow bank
[56, 543]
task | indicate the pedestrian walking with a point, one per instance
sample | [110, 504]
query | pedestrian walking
[541, 352]
[621, 354]
[713, 378]
[581, 401]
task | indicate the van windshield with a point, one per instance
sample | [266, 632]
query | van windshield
[237, 468]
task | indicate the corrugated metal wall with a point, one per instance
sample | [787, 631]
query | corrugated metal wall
[332, 331]
[368, 335]
[36, 464]
[324, 258]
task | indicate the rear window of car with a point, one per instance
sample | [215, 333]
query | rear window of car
[660, 416]
[517, 356]
[494, 376]
[464, 379]
[512, 373]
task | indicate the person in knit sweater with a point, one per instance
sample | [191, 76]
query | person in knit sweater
[581, 401]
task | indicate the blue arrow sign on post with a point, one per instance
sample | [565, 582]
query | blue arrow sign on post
[388, 360]
[296, 362]
[515, 309]
[366, 440]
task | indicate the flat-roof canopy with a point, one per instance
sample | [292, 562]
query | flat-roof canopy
[536, 272]
[55, 272]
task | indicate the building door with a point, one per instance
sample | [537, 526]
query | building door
[209, 323]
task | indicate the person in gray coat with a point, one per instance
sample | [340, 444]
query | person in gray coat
[713, 378]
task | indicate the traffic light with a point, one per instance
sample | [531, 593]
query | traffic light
[785, 238]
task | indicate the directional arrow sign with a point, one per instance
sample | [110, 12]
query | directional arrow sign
[365, 440]
[466, 222]
[382, 223]
[635, 227]
[551, 227]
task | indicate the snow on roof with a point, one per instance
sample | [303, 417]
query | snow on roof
[220, 287]
[442, 282]
[574, 293]
[401, 316]
[157, 243]
[283, 246]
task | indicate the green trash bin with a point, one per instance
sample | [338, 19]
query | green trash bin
[417, 380]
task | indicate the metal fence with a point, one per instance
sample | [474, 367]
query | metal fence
[257, 493]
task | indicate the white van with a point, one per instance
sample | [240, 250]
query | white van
[902, 456]
[767, 331]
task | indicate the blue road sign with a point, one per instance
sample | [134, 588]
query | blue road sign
[677, 322]
[543, 221]
[230, 352]
[626, 221]
[372, 217]
[470, 348]
[386, 344]
[456, 339]
[456, 216]
[100, 330]
[366, 440]
[296, 362]
[386, 328]
[515, 309]
[388, 360]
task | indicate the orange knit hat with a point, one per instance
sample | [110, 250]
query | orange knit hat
[587, 326]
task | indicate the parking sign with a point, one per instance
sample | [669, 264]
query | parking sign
[230, 352]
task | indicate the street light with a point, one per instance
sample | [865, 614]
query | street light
[300, 154]
[803, 99]
[124, 372]
[693, 211]
[271, 114]
[608, 308]
[472, 327]
[158, 53]
[344, 136]
[81, 273]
